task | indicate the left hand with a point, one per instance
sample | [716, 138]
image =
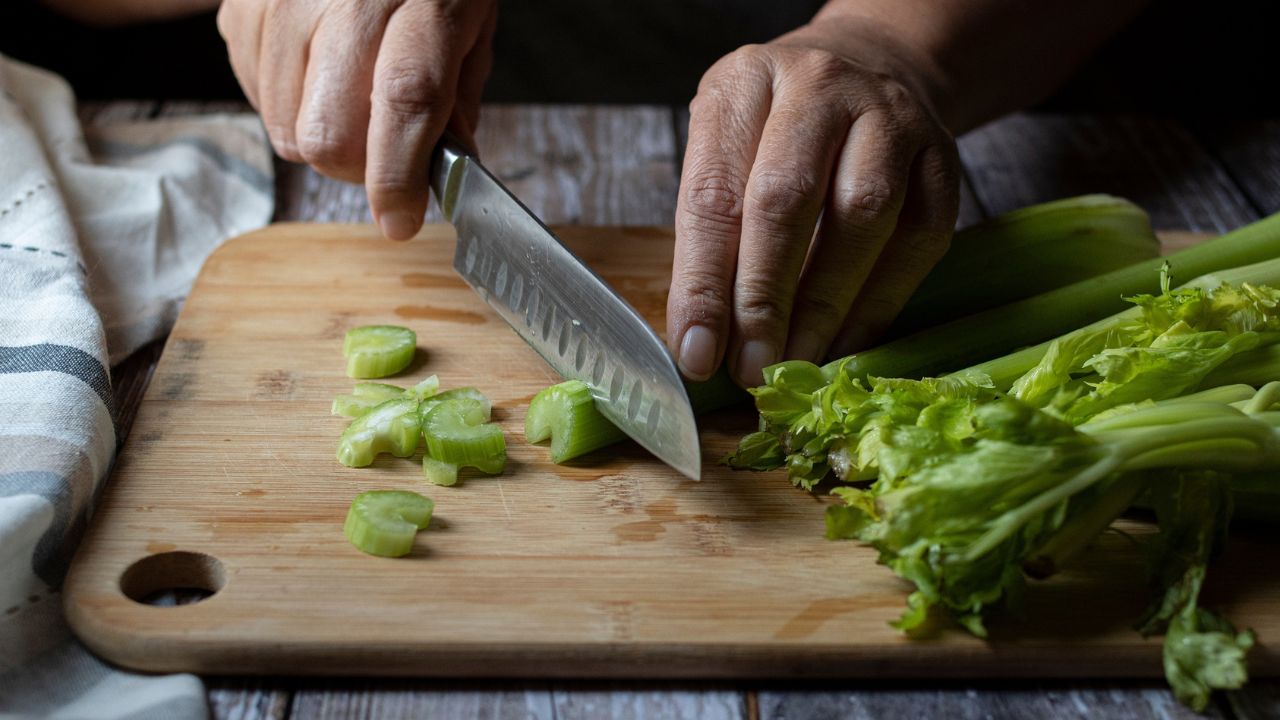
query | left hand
[819, 188]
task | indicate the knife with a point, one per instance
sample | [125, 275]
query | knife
[563, 310]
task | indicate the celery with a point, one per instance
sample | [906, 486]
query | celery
[1026, 252]
[391, 427]
[375, 351]
[385, 522]
[475, 407]
[453, 438]
[567, 414]
[438, 472]
[999, 330]
[423, 390]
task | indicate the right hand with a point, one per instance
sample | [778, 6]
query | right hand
[362, 90]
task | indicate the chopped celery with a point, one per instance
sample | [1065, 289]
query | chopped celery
[567, 414]
[438, 472]
[377, 391]
[385, 522]
[475, 407]
[392, 426]
[424, 389]
[453, 438]
[375, 351]
[352, 406]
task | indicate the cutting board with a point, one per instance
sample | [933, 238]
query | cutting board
[611, 566]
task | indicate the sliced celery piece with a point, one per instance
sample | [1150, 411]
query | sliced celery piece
[424, 389]
[375, 351]
[351, 406]
[566, 413]
[392, 426]
[438, 472]
[452, 438]
[385, 522]
[475, 407]
[377, 391]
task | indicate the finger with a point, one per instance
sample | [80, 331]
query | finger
[333, 117]
[414, 81]
[282, 67]
[861, 211]
[921, 238]
[471, 79]
[242, 31]
[725, 122]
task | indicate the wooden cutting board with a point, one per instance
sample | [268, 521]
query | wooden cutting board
[615, 566]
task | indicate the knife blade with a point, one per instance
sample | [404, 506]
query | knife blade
[563, 310]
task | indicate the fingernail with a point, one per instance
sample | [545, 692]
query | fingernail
[754, 356]
[398, 224]
[806, 345]
[697, 353]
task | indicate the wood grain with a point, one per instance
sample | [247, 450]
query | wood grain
[1025, 159]
[1099, 701]
[1249, 150]
[614, 567]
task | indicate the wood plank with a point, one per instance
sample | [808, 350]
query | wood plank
[1250, 152]
[1096, 701]
[247, 699]
[628, 701]
[389, 699]
[1025, 159]
[570, 164]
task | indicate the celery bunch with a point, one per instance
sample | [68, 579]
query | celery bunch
[977, 483]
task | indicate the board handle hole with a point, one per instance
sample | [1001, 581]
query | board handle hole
[173, 578]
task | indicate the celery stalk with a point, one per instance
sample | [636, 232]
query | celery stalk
[1026, 252]
[999, 330]
[452, 438]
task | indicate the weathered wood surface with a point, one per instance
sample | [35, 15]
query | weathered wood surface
[1004, 173]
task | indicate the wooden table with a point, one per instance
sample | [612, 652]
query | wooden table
[620, 165]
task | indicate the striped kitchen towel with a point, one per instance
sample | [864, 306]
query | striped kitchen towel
[102, 230]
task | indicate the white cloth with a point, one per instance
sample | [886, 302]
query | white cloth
[102, 231]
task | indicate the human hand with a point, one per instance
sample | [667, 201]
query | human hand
[362, 90]
[831, 128]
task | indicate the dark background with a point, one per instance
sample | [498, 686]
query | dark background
[1180, 57]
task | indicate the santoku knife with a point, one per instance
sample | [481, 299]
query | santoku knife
[570, 316]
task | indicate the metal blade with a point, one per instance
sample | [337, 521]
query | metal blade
[575, 321]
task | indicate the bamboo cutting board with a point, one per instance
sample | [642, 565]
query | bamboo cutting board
[614, 566]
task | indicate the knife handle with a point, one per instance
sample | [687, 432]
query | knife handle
[448, 161]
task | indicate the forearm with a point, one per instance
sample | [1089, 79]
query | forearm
[979, 59]
[124, 12]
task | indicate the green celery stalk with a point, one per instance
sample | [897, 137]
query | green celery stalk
[1026, 252]
[994, 332]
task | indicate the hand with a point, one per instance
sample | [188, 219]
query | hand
[819, 188]
[362, 89]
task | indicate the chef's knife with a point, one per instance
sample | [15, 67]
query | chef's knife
[570, 316]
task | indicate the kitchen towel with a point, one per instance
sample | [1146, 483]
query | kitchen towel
[102, 230]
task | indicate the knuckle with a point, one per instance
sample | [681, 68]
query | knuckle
[781, 195]
[714, 197]
[822, 66]
[870, 199]
[321, 147]
[704, 293]
[761, 303]
[923, 244]
[407, 88]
